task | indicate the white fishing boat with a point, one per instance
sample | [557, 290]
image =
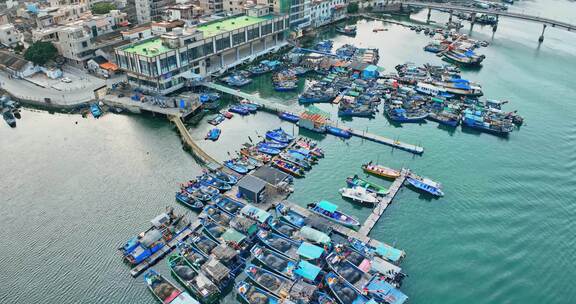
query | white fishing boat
[359, 194]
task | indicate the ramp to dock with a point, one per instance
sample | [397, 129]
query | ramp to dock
[187, 138]
[267, 105]
[388, 141]
[377, 212]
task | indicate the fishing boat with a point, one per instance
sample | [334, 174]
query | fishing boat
[279, 135]
[232, 165]
[273, 261]
[282, 228]
[426, 185]
[324, 298]
[349, 30]
[189, 201]
[309, 145]
[295, 160]
[284, 86]
[251, 161]
[288, 167]
[344, 292]
[485, 122]
[289, 117]
[252, 108]
[9, 117]
[338, 132]
[218, 216]
[237, 80]
[465, 58]
[239, 109]
[269, 281]
[316, 96]
[213, 229]
[209, 265]
[197, 283]
[208, 190]
[213, 134]
[254, 295]
[227, 114]
[324, 46]
[445, 118]
[259, 69]
[330, 211]
[380, 171]
[216, 120]
[224, 177]
[359, 194]
[95, 110]
[274, 144]
[382, 291]
[348, 271]
[245, 163]
[280, 244]
[195, 193]
[229, 205]
[204, 244]
[165, 291]
[292, 217]
[304, 154]
[403, 116]
[253, 152]
[313, 236]
[356, 181]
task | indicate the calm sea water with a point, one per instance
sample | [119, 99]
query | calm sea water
[74, 189]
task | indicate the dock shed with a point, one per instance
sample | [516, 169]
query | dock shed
[253, 189]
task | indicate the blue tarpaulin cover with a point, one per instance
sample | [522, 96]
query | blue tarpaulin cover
[310, 251]
[328, 206]
[389, 253]
[307, 270]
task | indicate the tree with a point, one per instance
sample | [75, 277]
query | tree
[18, 48]
[352, 8]
[101, 8]
[41, 52]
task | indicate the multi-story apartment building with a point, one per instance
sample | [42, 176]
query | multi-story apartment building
[234, 7]
[151, 10]
[161, 65]
[298, 10]
[9, 36]
[186, 12]
[212, 6]
[323, 12]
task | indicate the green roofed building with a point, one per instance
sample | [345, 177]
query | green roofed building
[163, 64]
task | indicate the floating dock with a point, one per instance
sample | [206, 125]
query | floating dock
[377, 212]
[387, 141]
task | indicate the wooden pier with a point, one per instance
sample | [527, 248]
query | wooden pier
[388, 141]
[158, 255]
[377, 212]
[187, 138]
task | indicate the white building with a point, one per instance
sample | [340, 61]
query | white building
[323, 12]
[212, 6]
[9, 36]
[233, 7]
[151, 10]
[298, 10]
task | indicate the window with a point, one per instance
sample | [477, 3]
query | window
[279, 25]
[84, 44]
[253, 33]
[238, 38]
[184, 58]
[144, 67]
[266, 29]
[208, 48]
[222, 43]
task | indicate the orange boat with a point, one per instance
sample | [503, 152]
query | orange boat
[380, 171]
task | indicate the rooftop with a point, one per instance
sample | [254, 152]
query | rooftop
[148, 48]
[230, 24]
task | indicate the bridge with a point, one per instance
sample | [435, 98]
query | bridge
[474, 10]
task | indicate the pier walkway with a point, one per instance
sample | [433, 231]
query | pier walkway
[377, 212]
[276, 108]
[158, 255]
[187, 138]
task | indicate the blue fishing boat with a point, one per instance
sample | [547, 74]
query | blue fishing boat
[141, 249]
[316, 96]
[291, 158]
[251, 294]
[269, 281]
[401, 115]
[274, 144]
[235, 167]
[213, 229]
[285, 86]
[304, 154]
[209, 190]
[384, 292]
[229, 205]
[216, 271]
[349, 30]
[259, 69]
[330, 211]
[426, 185]
[218, 216]
[348, 271]
[204, 244]
[324, 46]
[189, 201]
[224, 177]
[239, 109]
[252, 108]
[242, 161]
[237, 80]
[290, 216]
[208, 180]
[289, 117]
[338, 132]
[213, 134]
[283, 228]
[280, 244]
[195, 193]
[273, 261]
[95, 110]
[264, 148]
[324, 298]
[165, 291]
[279, 135]
[194, 281]
[343, 291]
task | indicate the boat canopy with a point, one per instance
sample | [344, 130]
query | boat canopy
[389, 253]
[307, 270]
[151, 237]
[314, 235]
[310, 251]
[255, 213]
[184, 298]
[231, 235]
[328, 206]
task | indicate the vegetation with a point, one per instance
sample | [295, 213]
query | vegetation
[18, 48]
[41, 52]
[352, 8]
[101, 8]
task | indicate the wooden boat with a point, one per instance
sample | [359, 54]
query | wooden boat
[209, 265]
[349, 30]
[288, 167]
[274, 144]
[269, 281]
[187, 200]
[289, 117]
[283, 228]
[218, 216]
[198, 195]
[204, 244]
[209, 180]
[165, 291]
[275, 262]
[213, 229]
[295, 160]
[279, 135]
[263, 148]
[229, 205]
[254, 295]
[224, 177]
[253, 152]
[329, 211]
[360, 195]
[232, 165]
[239, 109]
[313, 236]
[324, 298]
[348, 271]
[343, 291]
[311, 146]
[216, 120]
[304, 155]
[197, 283]
[338, 132]
[356, 181]
[280, 244]
[286, 214]
[380, 171]
[426, 185]
[383, 292]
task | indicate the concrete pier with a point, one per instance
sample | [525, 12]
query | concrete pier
[189, 141]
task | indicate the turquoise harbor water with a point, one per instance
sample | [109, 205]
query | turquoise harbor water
[504, 232]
